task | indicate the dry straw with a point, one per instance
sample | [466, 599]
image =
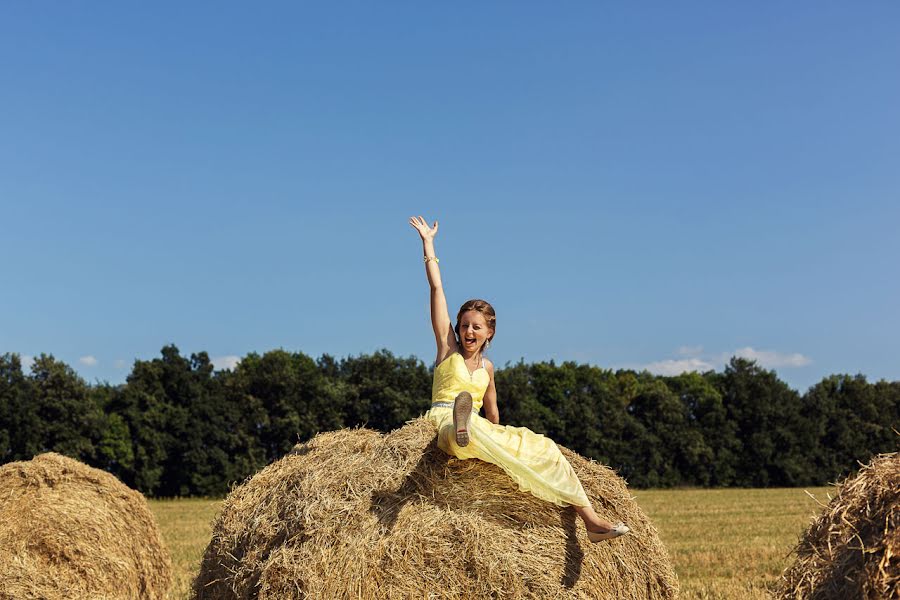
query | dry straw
[852, 550]
[357, 514]
[71, 531]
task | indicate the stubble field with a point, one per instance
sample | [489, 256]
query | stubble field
[726, 544]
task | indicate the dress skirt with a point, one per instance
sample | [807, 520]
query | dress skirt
[532, 460]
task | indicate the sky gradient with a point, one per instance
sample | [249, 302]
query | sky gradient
[658, 187]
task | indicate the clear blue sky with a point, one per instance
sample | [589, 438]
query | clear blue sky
[660, 186]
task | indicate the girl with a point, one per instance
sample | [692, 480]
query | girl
[464, 382]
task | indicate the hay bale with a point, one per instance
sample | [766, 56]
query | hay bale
[354, 513]
[852, 550]
[68, 530]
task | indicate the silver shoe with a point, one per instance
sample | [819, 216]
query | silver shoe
[620, 529]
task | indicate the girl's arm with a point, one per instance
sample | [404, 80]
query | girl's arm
[491, 412]
[440, 317]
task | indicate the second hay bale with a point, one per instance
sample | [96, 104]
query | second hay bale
[68, 530]
[852, 550]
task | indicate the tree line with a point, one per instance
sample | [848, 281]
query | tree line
[178, 427]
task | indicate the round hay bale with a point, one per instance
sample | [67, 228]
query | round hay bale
[354, 513]
[68, 530]
[852, 550]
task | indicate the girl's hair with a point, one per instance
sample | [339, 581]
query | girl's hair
[485, 309]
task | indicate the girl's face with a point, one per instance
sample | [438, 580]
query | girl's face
[473, 330]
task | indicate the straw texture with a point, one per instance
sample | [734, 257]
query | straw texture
[357, 514]
[71, 531]
[852, 550]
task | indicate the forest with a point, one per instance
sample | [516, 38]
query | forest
[179, 427]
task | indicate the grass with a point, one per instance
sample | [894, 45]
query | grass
[726, 544]
[186, 526]
[730, 543]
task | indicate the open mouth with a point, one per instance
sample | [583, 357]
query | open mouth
[470, 340]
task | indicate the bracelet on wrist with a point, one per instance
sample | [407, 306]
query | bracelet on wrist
[434, 258]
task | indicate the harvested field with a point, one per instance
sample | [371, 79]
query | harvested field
[730, 544]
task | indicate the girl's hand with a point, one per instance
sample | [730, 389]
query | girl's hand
[427, 233]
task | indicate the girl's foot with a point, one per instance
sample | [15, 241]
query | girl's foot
[462, 411]
[601, 534]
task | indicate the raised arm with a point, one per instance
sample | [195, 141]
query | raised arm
[440, 318]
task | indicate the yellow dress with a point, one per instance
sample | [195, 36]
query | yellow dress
[532, 460]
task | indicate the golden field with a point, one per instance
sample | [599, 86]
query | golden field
[727, 544]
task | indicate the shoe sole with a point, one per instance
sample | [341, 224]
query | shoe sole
[462, 411]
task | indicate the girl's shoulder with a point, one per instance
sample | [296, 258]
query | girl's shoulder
[489, 366]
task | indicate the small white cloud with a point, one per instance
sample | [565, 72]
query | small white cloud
[771, 359]
[690, 350]
[225, 363]
[676, 367]
[120, 363]
[27, 361]
[88, 361]
[695, 360]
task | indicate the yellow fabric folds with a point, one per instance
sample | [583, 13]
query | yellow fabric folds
[532, 460]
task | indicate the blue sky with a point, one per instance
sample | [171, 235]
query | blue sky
[658, 186]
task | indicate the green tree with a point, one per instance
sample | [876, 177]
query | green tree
[627, 445]
[385, 391]
[888, 397]
[671, 444]
[770, 425]
[594, 417]
[552, 389]
[188, 435]
[67, 417]
[113, 449]
[288, 399]
[19, 424]
[144, 406]
[518, 402]
[705, 412]
[853, 420]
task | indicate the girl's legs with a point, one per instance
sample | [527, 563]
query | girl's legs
[592, 521]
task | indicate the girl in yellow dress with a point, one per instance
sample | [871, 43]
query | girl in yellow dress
[464, 382]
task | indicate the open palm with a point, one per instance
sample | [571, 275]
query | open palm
[422, 227]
